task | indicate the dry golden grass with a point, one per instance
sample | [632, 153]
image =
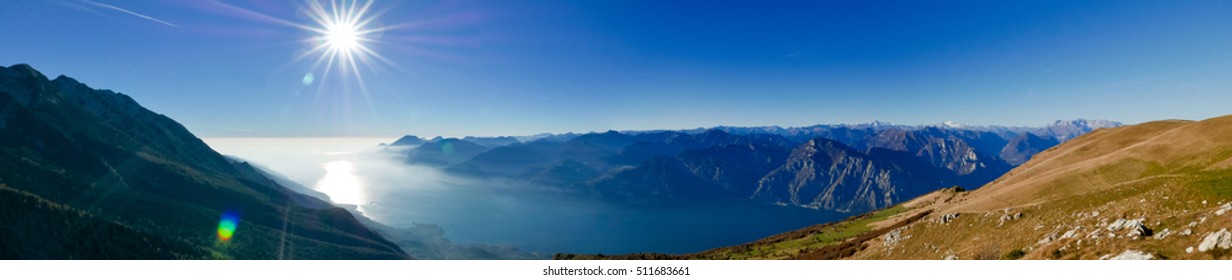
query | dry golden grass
[1173, 174]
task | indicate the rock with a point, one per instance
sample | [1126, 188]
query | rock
[1094, 213]
[1163, 234]
[1071, 233]
[951, 257]
[893, 237]
[1186, 232]
[945, 219]
[1133, 255]
[1140, 230]
[1008, 217]
[1221, 239]
[1047, 239]
[1189, 250]
[1223, 209]
[1192, 224]
[1116, 225]
[1120, 224]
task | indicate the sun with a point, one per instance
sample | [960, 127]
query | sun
[342, 32]
[342, 37]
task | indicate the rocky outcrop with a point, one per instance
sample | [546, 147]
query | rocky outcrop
[945, 219]
[938, 147]
[1221, 239]
[1008, 217]
[893, 237]
[1071, 233]
[1163, 234]
[1136, 227]
[826, 174]
[1133, 255]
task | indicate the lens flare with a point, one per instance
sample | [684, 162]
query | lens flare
[308, 79]
[227, 225]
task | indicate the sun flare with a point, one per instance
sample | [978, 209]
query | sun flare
[342, 37]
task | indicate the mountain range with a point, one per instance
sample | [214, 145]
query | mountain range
[90, 174]
[851, 168]
[1156, 190]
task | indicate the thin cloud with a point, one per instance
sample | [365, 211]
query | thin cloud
[797, 55]
[126, 11]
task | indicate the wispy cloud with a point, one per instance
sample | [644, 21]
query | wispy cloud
[797, 55]
[1188, 85]
[126, 11]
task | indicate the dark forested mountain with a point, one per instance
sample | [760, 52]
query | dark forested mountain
[836, 167]
[90, 174]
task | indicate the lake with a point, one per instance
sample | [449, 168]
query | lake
[487, 212]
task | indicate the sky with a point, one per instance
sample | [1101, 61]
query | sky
[514, 67]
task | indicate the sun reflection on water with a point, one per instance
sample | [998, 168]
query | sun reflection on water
[341, 184]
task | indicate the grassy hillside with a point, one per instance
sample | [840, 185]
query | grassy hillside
[1158, 190]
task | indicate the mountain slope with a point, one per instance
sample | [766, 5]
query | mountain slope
[444, 152]
[675, 173]
[1021, 148]
[1158, 190]
[642, 167]
[829, 175]
[95, 157]
[409, 140]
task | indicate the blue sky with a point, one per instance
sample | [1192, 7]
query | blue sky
[499, 67]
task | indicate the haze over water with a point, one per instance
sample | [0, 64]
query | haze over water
[534, 219]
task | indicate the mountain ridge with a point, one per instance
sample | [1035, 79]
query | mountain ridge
[105, 160]
[651, 167]
[1156, 190]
